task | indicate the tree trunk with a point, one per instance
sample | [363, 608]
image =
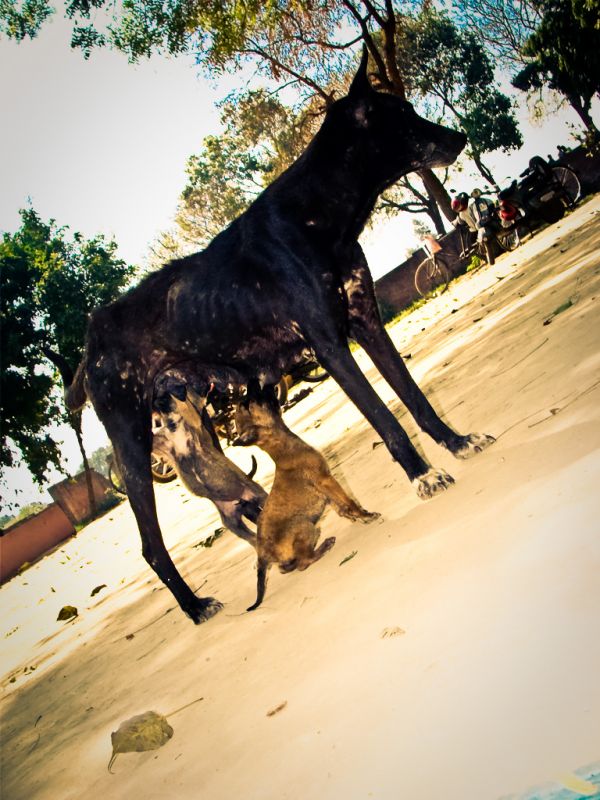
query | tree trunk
[434, 213]
[76, 425]
[435, 189]
[583, 111]
[483, 170]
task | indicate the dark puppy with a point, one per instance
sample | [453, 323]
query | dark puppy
[186, 440]
[285, 277]
[288, 529]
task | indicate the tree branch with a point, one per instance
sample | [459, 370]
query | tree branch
[370, 44]
[256, 50]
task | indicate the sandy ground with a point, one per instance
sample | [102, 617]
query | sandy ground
[456, 655]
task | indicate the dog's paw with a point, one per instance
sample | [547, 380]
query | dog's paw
[203, 609]
[472, 444]
[432, 483]
[369, 516]
[327, 544]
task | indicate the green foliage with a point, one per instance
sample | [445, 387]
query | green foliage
[475, 262]
[448, 69]
[24, 20]
[564, 54]
[261, 138]
[50, 283]
[99, 460]
[26, 511]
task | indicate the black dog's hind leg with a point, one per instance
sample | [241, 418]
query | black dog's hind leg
[130, 433]
[368, 330]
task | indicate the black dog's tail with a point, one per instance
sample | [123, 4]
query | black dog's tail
[263, 567]
[75, 394]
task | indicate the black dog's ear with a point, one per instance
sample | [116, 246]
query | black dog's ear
[360, 86]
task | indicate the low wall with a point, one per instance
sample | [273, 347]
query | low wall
[72, 495]
[29, 539]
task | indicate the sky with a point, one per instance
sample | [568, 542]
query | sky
[101, 146]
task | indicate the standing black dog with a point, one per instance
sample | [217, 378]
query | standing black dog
[287, 275]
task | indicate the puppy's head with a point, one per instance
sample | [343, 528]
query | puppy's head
[256, 415]
[176, 402]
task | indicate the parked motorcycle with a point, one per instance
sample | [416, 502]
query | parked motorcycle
[541, 194]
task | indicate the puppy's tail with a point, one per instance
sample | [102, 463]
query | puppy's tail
[252, 472]
[75, 393]
[263, 567]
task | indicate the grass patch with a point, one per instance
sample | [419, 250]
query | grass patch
[420, 301]
[475, 262]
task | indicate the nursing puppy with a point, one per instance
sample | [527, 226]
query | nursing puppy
[187, 441]
[288, 529]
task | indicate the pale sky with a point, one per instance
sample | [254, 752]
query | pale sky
[101, 146]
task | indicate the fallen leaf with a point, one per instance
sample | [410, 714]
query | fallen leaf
[277, 709]
[348, 557]
[67, 612]
[376, 444]
[387, 633]
[147, 731]
[210, 540]
[97, 589]
[129, 636]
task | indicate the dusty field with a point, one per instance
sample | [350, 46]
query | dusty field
[456, 655]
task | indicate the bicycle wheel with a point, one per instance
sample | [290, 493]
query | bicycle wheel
[431, 274]
[162, 471]
[508, 239]
[569, 183]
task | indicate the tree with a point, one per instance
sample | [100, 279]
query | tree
[309, 43]
[50, 283]
[99, 460]
[448, 69]
[261, 138]
[502, 25]
[563, 53]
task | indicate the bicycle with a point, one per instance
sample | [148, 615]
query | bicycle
[567, 183]
[433, 272]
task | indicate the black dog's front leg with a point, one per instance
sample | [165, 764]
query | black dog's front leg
[338, 361]
[368, 330]
[131, 437]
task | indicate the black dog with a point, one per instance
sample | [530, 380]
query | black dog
[288, 275]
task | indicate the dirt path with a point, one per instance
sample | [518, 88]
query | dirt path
[455, 656]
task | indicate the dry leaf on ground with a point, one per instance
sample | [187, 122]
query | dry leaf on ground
[147, 731]
[67, 612]
[387, 633]
[277, 709]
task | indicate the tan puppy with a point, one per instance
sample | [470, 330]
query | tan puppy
[288, 529]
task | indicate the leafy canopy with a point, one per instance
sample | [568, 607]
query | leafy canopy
[50, 283]
[563, 53]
